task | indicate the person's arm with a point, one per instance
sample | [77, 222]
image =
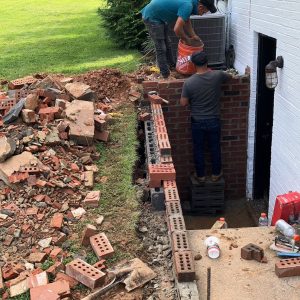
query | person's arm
[189, 29]
[184, 101]
[179, 30]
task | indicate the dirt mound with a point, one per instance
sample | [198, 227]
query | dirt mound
[106, 83]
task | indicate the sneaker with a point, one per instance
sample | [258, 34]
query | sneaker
[215, 178]
[199, 179]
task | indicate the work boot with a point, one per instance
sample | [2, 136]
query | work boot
[215, 178]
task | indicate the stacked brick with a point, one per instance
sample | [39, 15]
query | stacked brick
[234, 117]
[162, 175]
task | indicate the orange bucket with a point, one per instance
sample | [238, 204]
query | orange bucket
[184, 64]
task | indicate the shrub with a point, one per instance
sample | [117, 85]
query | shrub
[123, 21]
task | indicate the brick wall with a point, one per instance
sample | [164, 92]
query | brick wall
[234, 112]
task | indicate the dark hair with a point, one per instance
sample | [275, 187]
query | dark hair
[199, 58]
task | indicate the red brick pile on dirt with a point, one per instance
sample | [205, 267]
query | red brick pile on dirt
[47, 172]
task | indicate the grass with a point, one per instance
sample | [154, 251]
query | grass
[57, 37]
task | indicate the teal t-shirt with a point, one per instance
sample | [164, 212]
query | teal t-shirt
[167, 11]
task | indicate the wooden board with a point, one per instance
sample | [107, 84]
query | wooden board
[233, 278]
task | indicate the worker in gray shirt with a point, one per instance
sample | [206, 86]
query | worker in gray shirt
[202, 92]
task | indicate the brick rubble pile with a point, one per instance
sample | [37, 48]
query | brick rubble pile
[48, 160]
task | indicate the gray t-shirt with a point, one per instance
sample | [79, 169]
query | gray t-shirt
[203, 92]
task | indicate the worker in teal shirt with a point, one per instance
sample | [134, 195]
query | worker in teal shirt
[159, 13]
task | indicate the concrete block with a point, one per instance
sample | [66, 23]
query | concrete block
[81, 117]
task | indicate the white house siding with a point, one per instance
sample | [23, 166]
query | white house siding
[279, 19]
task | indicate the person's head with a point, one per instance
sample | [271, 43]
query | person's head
[199, 59]
[205, 6]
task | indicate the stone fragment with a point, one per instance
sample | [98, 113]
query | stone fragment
[92, 199]
[79, 90]
[7, 148]
[89, 231]
[28, 116]
[78, 212]
[61, 103]
[31, 102]
[99, 220]
[81, 117]
[89, 179]
[45, 243]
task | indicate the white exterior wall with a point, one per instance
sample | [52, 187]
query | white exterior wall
[279, 19]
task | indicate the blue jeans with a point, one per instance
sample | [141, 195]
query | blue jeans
[160, 36]
[210, 129]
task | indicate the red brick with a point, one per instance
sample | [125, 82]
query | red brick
[162, 172]
[176, 223]
[57, 221]
[179, 241]
[62, 276]
[37, 257]
[171, 194]
[288, 267]
[91, 199]
[100, 265]
[184, 266]
[8, 240]
[101, 245]
[169, 184]
[173, 208]
[145, 117]
[55, 252]
[60, 289]
[154, 183]
[102, 135]
[89, 231]
[37, 280]
[20, 82]
[85, 273]
[58, 266]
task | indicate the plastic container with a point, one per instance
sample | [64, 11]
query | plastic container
[212, 245]
[184, 64]
[225, 223]
[286, 229]
[263, 220]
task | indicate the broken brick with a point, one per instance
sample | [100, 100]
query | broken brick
[37, 257]
[37, 280]
[91, 199]
[55, 252]
[102, 135]
[62, 276]
[8, 240]
[57, 221]
[252, 251]
[100, 123]
[144, 117]
[89, 231]
[58, 266]
[28, 116]
[100, 265]
[60, 288]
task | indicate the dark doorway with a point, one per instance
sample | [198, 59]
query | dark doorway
[264, 120]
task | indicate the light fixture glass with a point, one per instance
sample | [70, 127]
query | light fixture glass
[271, 72]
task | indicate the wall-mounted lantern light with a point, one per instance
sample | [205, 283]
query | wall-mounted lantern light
[271, 72]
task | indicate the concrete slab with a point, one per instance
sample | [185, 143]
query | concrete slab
[235, 278]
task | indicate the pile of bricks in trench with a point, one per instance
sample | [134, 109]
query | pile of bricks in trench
[162, 174]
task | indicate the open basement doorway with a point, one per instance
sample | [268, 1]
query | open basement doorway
[264, 122]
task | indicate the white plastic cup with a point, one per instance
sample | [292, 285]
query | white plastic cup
[212, 245]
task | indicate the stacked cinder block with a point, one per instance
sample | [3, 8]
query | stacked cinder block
[162, 176]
